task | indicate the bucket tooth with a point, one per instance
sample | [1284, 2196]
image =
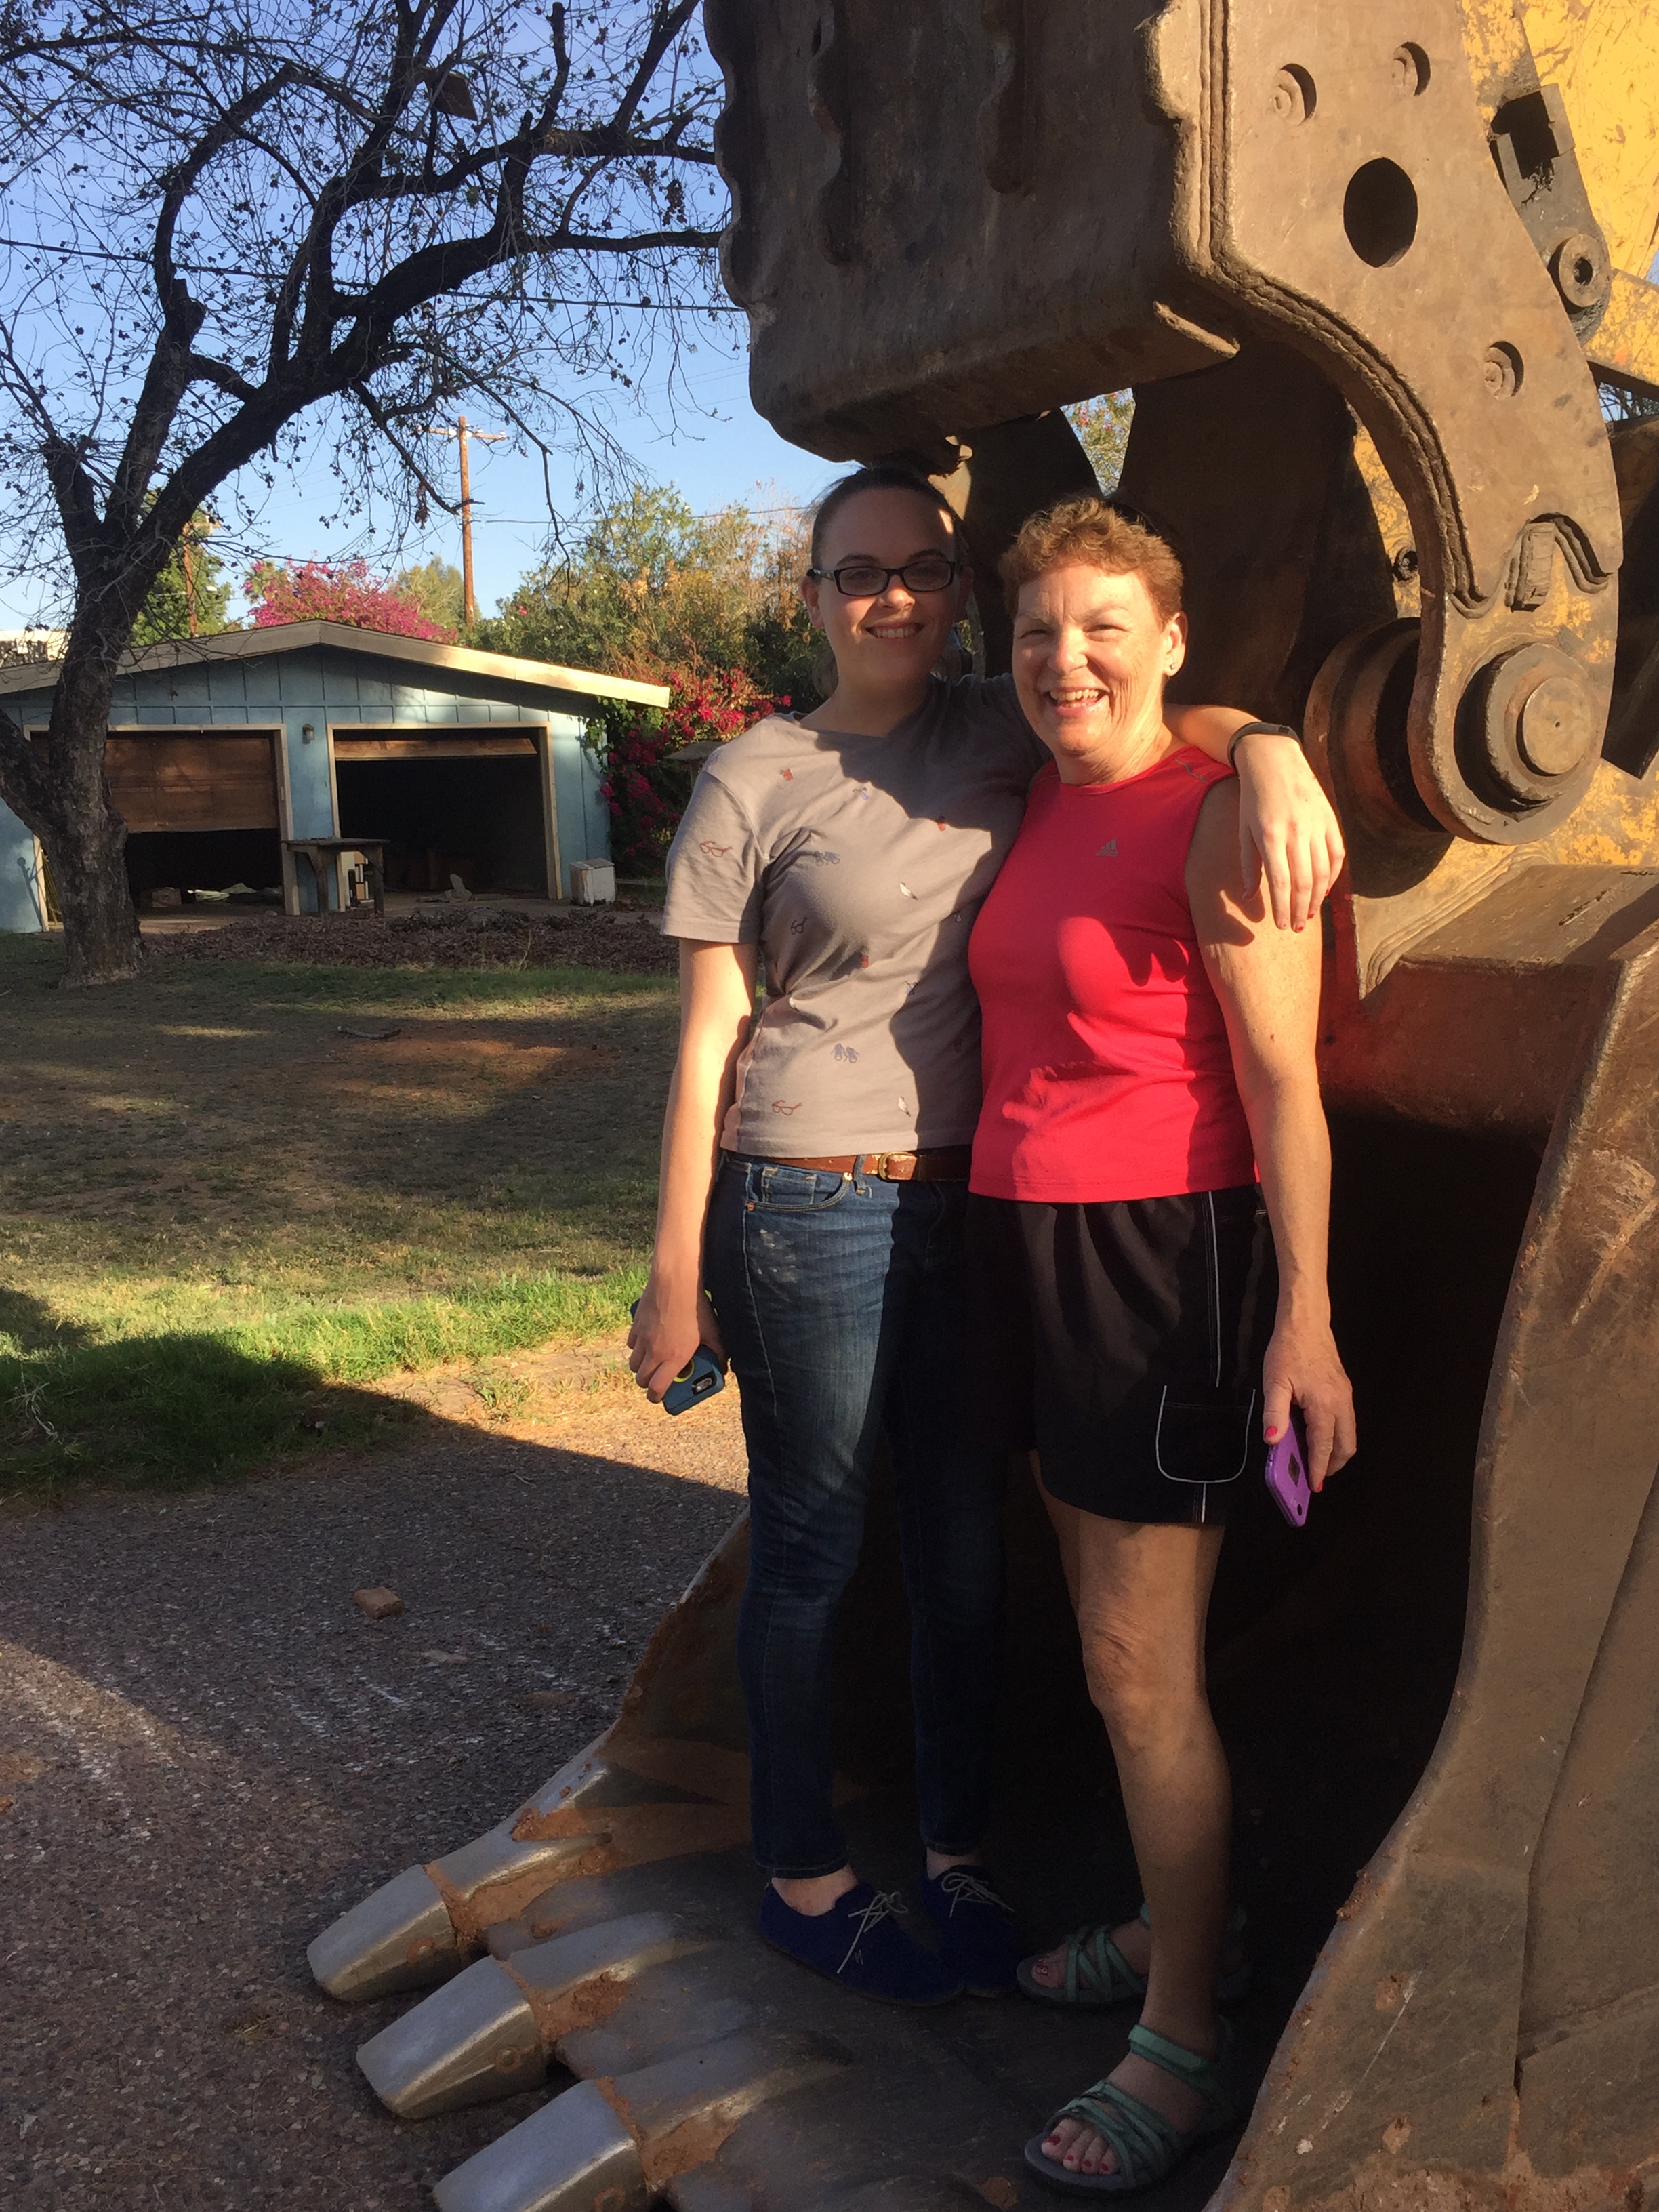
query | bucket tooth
[475, 2039]
[683, 2108]
[571, 2156]
[666, 1788]
[675, 2115]
[677, 2016]
[499, 1861]
[400, 1938]
[574, 1981]
[487, 2033]
[423, 1923]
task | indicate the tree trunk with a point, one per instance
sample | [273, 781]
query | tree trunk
[86, 844]
[61, 792]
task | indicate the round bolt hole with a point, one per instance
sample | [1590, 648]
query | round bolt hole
[1409, 70]
[1295, 96]
[1501, 370]
[1379, 213]
[1404, 564]
[1580, 269]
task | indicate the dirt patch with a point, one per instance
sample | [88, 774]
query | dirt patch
[437, 937]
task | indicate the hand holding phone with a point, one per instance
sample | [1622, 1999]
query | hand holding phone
[701, 1380]
[1287, 1471]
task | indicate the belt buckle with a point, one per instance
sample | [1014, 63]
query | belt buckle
[883, 1169]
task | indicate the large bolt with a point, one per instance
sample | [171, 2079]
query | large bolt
[1501, 370]
[1536, 723]
[1294, 97]
[1554, 726]
[1580, 270]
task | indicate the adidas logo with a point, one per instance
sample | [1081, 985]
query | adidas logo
[1107, 850]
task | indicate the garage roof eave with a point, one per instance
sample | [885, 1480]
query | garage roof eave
[382, 645]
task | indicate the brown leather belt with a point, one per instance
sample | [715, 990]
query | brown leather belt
[940, 1163]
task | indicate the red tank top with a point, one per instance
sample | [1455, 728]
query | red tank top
[1107, 1070]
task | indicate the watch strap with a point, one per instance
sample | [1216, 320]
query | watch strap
[1255, 729]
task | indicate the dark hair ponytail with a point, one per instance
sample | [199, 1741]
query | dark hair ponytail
[884, 476]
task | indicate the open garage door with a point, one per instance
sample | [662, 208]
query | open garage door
[451, 801]
[200, 807]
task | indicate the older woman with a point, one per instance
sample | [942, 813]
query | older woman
[1152, 1138]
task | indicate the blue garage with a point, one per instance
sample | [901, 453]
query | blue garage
[223, 750]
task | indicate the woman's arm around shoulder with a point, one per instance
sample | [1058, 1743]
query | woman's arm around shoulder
[717, 1005]
[1267, 981]
[1287, 828]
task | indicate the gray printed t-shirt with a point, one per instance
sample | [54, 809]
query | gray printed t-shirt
[858, 864]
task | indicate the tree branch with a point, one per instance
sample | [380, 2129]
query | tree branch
[205, 370]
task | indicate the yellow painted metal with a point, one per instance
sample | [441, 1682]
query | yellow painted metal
[1495, 48]
[1604, 54]
[1626, 345]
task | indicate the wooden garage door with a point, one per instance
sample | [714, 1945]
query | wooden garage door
[193, 779]
[440, 745]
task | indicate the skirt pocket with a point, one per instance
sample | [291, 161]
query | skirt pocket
[1203, 1434]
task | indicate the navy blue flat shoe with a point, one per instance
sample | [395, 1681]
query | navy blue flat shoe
[859, 1944]
[977, 1934]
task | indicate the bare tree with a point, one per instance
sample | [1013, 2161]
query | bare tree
[227, 216]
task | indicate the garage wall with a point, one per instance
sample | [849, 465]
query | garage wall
[22, 896]
[317, 687]
[583, 817]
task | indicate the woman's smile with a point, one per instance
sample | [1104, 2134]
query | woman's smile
[1091, 655]
[1074, 698]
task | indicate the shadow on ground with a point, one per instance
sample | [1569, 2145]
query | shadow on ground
[207, 1751]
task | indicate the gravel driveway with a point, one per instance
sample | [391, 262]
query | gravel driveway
[207, 1752]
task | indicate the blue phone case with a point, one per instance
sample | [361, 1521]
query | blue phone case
[701, 1380]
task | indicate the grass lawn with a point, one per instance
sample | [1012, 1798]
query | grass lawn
[218, 1213]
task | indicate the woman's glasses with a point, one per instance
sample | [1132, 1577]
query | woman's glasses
[863, 579]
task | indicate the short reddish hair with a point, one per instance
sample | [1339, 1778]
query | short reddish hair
[1089, 534]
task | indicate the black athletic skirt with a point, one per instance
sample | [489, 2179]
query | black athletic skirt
[1123, 1340]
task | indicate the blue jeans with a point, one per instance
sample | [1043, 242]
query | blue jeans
[841, 1302]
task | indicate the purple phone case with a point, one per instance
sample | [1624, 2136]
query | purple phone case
[1287, 1471]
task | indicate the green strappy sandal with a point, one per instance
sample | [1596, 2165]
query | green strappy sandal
[1147, 2148]
[1098, 1974]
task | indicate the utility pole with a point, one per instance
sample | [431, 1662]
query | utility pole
[462, 434]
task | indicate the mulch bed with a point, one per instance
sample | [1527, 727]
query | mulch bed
[438, 937]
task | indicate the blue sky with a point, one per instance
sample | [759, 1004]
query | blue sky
[717, 453]
[715, 449]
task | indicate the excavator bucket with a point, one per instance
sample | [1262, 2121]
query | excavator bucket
[1365, 268]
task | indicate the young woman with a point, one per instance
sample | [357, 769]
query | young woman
[814, 1178]
[1149, 1054]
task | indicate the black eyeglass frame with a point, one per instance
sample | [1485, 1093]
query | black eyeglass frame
[924, 590]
